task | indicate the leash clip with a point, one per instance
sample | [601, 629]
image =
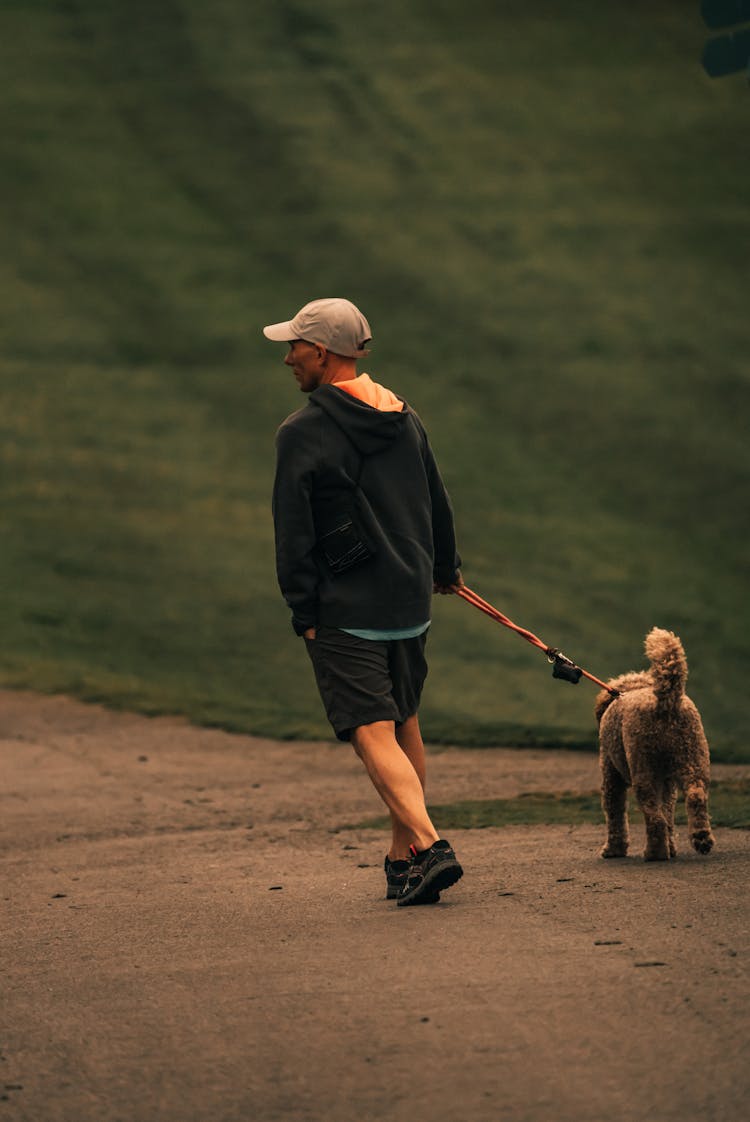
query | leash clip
[563, 667]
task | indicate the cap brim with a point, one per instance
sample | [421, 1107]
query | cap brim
[279, 332]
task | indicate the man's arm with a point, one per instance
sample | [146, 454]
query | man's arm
[296, 569]
[447, 562]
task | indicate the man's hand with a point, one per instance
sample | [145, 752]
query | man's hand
[447, 589]
[310, 633]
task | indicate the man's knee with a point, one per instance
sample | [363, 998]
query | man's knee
[364, 737]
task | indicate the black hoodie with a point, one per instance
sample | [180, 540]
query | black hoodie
[339, 457]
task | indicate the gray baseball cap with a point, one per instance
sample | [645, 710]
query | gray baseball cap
[338, 325]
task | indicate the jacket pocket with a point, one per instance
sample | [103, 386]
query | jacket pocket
[344, 545]
[342, 519]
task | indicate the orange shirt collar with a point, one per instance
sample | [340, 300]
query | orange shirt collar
[371, 393]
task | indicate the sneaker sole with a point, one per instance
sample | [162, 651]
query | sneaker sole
[394, 892]
[443, 876]
[432, 898]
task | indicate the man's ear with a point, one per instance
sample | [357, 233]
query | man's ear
[322, 353]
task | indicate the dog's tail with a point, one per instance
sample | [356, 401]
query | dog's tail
[669, 668]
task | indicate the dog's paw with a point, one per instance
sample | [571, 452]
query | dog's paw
[703, 841]
[656, 853]
[612, 849]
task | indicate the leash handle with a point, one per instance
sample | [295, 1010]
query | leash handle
[566, 667]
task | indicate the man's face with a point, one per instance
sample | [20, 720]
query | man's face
[308, 364]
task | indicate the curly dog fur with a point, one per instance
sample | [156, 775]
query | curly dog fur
[651, 738]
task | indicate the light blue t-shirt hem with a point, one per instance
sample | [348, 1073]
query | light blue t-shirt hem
[378, 635]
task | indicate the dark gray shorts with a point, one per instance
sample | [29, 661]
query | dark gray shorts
[365, 680]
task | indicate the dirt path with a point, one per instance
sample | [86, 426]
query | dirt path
[186, 938]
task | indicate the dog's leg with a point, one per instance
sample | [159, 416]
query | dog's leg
[670, 800]
[657, 831]
[615, 806]
[699, 824]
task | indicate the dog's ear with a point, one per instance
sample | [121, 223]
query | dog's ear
[603, 700]
[635, 680]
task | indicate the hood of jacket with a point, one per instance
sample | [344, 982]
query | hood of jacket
[370, 429]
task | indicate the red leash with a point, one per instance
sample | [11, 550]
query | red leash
[563, 667]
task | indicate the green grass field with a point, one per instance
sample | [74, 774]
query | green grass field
[543, 211]
[729, 807]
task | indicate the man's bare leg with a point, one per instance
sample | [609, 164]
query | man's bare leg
[397, 781]
[409, 737]
[410, 741]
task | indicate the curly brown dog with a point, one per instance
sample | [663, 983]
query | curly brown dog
[651, 738]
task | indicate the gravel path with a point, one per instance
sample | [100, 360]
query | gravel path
[189, 936]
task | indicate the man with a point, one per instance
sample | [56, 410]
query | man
[364, 534]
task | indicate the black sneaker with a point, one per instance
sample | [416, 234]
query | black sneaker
[396, 875]
[431, 871]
